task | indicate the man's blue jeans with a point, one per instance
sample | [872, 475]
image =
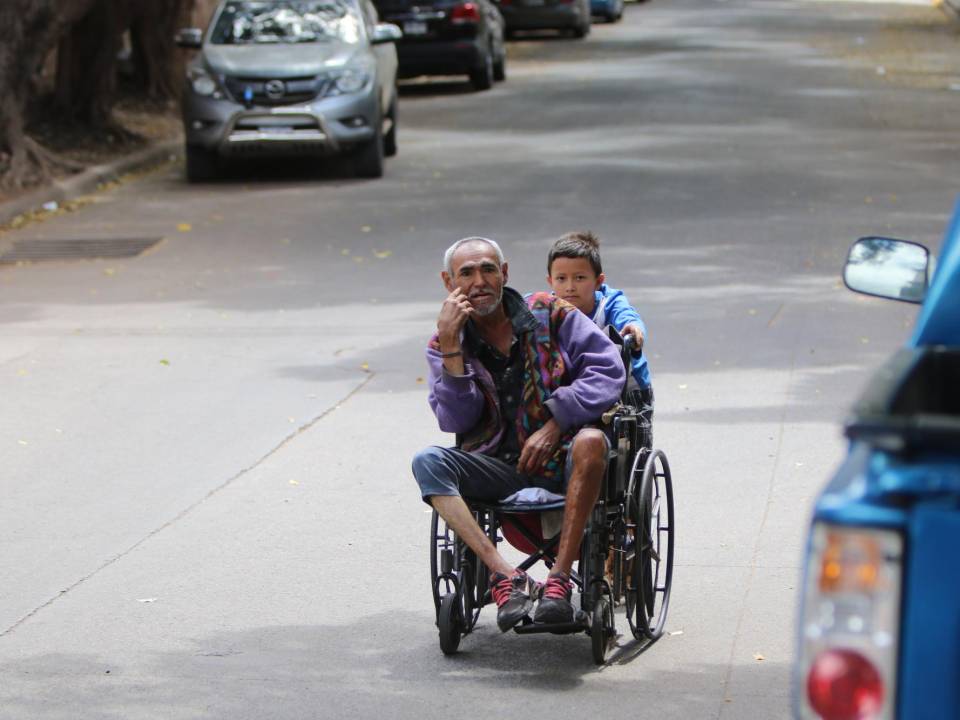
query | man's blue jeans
[453, 472]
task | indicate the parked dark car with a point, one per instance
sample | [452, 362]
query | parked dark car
[449, 37]
[291, 77]
[565, 15]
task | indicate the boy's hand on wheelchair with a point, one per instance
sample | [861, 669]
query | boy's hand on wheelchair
[539, 448]
[632, 329]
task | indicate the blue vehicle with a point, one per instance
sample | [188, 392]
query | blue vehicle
[610, 10]
[879, 633]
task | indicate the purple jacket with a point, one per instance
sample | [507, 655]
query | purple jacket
[592, 382]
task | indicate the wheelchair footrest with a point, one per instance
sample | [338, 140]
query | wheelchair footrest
[581, 623]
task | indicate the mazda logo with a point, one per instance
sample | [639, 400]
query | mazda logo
[275, 89]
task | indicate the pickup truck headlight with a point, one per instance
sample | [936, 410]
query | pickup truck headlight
[851, 623]
[350, 80]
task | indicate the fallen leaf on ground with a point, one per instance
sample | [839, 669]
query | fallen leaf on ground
[420, 380]
[365, 366]
[758, 657]
[345, 251]
[382, 254]
[366, 228]
[146, 600]
[682, 387]
[676, 632]
[164, 361]
[184, 227]
[23, 442]
[109, 271]
[294, 482]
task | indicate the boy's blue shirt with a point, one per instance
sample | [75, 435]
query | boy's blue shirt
[611, 307]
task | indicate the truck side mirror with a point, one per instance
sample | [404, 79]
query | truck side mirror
[385, 33]
[189, 38]
[888, 268]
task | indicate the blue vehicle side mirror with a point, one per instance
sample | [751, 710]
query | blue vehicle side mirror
[888, 268]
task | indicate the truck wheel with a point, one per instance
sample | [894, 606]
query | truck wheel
[368, 162]
[390, 139]
[201, 163]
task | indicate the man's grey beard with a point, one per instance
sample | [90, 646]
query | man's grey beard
[490, 309]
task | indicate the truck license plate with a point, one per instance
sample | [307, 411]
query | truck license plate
[413, 27]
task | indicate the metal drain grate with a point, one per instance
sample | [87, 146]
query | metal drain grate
[38, 250]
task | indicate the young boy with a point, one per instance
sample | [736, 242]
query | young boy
[575, 274]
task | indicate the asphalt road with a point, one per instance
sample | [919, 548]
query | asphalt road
[207, 505]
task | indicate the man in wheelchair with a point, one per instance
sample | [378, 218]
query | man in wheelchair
[520, 381]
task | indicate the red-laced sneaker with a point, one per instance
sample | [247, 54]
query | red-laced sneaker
[555, 606]
[511, 594]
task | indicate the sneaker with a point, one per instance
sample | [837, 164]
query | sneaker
[555, 606]
[511, 594]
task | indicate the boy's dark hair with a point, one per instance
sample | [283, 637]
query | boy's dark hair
[580, 244]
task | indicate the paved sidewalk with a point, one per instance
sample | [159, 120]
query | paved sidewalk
[85, 182]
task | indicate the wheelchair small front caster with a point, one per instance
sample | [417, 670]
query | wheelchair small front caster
[450, 624]
[602, 630]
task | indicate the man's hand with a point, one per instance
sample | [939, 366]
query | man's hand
[634, 329]
[453, 316]
[539, 448]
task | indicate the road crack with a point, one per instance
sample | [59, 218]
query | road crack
[183, 513]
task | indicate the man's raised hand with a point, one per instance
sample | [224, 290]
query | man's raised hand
[453, 316]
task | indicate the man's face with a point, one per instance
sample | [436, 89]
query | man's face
[476, 270]
[574, 280]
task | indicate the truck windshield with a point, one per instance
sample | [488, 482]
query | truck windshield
[262, 22]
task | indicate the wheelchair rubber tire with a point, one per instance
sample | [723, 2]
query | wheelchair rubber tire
[450, 624]
[602, 631]
[656, 488]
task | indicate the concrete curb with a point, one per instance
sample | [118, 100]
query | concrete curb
[88, 180]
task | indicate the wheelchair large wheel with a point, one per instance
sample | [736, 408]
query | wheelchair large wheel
[649, 558]
[602, 630]
[450, 623]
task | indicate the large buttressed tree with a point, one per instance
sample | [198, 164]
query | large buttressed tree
[28, 29]
[87, 35]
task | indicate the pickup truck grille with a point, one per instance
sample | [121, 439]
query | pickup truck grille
[274, 92]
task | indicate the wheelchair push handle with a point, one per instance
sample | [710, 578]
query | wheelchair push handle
[632, 348]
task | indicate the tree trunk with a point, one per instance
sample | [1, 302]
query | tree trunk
[87, 66]
[158, 62]
[28, 29]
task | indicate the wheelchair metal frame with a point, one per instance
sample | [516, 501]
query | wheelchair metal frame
[626, 553]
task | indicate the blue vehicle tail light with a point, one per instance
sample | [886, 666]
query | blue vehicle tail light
[850, 624]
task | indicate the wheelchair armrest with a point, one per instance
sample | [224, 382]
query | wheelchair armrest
[609, 415]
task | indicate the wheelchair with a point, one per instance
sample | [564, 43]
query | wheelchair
[626, 555]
